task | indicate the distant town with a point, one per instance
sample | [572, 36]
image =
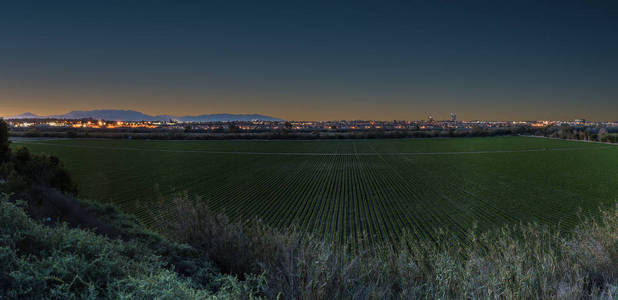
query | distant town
[308, 126]
[130, 124]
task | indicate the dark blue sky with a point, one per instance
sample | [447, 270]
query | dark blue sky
[312, 60]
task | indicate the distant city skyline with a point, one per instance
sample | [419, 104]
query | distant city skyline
[519, 60]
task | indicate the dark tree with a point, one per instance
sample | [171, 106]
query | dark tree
[23, 170]
[4, 141]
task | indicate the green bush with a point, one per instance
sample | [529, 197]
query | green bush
[59, 262]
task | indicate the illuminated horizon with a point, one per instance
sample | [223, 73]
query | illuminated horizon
[438, 117]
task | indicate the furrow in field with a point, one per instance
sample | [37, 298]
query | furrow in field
[315, 199]
[446, 197]
[407, 218]
[389, 226]
[437, 210]
[231, 198]
[285, 197]
[318, 223]
[262, 200]
[369, 228]
[301, 195]
[393, 180]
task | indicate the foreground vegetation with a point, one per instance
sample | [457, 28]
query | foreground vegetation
[360, 192]
[518, 262]
[50, 259]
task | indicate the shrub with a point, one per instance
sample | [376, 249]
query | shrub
[40, 170]
[524, 261]
[23, 170]
[59, 262]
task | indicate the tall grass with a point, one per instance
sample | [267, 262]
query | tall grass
[515, 262]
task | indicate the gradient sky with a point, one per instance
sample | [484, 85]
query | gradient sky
[313, 60]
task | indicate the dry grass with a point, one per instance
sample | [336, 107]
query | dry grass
[524, 261]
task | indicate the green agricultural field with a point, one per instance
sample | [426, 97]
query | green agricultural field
[357, 191]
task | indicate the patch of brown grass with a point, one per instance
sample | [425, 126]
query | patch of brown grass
[523, 261]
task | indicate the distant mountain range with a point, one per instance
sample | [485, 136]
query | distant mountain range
[132, 115]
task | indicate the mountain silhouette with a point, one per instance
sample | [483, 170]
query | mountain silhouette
[132, 115]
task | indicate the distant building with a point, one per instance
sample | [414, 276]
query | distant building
[454, 117]
[430, 118]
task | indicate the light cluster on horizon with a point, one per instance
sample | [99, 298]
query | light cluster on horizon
[260, 125]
